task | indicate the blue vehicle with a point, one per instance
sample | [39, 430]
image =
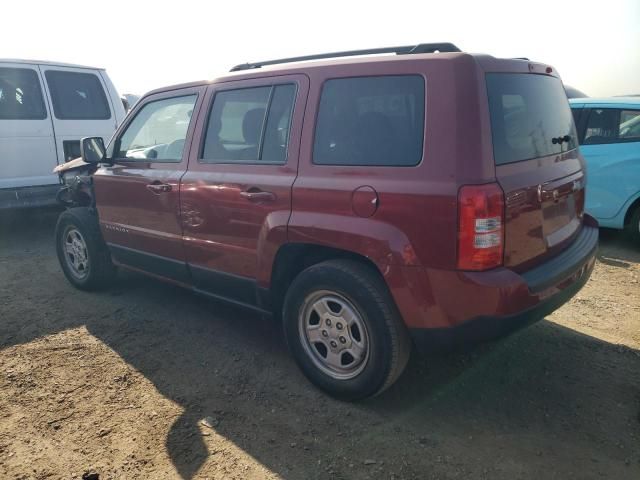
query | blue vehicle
[609, 136]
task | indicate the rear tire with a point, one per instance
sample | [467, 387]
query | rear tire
[82, 252]
[633, 227]
[344, 330]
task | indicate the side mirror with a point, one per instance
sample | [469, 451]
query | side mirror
[92, 149]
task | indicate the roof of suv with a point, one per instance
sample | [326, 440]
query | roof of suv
[606, 101]
[422, 52]
[46, 62]
[297, 67]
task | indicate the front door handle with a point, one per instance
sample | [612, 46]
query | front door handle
[158, 187]
[257, 195]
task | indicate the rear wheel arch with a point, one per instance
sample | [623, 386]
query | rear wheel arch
[292, 258]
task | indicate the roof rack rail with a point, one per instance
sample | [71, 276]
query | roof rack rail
[410, 49]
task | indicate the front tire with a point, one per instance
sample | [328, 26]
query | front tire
[82, 252]
[344, 330]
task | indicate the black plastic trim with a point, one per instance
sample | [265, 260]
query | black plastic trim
[405, 50]
[29, 197]
[149, 262]
[225, 285]
[564, 264]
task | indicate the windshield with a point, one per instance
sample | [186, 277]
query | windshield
[530, 117]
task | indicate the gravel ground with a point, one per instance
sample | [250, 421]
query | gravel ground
[147, 381]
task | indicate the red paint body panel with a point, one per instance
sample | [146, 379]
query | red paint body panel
[539, 226]
[432, 298]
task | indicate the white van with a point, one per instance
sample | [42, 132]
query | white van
[45, 109]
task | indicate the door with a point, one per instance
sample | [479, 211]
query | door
[138, 196]
[27, 148]
[80, 108]
[611, 147]
[236, 196]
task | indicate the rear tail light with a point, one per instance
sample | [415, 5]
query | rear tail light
[480, 227]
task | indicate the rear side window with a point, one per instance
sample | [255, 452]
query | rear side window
[158, 131]
[377, 121]
[21, 95]
[530, 114]
[77, 96]
[249, 125]
[612, 125]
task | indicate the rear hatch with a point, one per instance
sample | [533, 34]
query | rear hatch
[537, 165]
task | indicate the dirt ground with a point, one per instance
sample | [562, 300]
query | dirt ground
[118, 383]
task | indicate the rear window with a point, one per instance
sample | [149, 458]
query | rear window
[77, 96]
[20, 95]
[377, 121]
[529, 115]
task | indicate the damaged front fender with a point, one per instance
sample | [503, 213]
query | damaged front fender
[77, 183]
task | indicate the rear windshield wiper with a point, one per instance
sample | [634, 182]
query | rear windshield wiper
[561, 140]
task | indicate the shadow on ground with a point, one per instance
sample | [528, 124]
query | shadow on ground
[547, 402]
[617, 249]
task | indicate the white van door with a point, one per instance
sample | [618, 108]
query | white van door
[27, 146]
[81, 106]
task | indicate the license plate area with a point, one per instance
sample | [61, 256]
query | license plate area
[561, 212]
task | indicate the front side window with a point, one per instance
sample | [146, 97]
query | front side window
[530, 117]
[630, 125]
[21, 95]
[612, 125]
[77, 96]
[249, 125]
[158, 131]
[377, 121]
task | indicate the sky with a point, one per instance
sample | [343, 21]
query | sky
[594, 45]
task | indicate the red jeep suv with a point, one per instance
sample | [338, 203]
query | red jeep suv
[418, 197]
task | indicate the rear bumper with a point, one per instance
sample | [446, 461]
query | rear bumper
[485, 328]
[28, 197]
[445, 309]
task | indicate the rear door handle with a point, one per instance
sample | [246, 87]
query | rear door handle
[158, 187]
[257, 195]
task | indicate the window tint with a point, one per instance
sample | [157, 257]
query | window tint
[158, 131]
[77, 96]
[20, 95]
[611, 125]
[370, 121]
[576, 115]
[250, 125]
[630, 125]
[276, 132]
[602, 126]
[527, 113]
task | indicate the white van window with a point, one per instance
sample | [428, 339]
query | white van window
[20, 95]
[158, 131]
[77, 96]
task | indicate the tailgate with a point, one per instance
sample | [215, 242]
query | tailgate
[537, 165]
[544, 204]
